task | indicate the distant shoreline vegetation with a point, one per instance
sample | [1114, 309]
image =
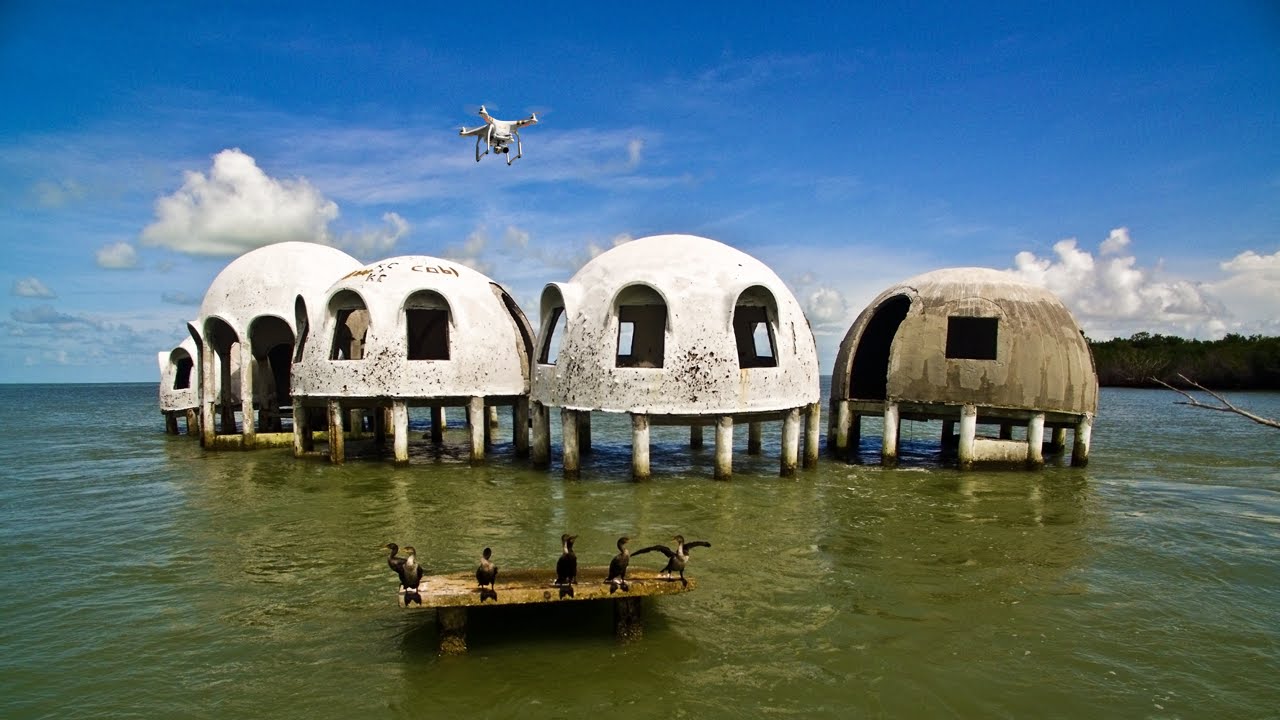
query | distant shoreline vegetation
[1236, 362]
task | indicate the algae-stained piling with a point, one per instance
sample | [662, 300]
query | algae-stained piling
[452, 595]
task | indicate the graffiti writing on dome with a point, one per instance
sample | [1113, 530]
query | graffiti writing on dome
[378, 273]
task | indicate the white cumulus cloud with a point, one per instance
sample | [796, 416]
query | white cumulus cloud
[117, 256]
[236, 208]
[1111, 295]
[376, 243]
[1251, 289]
[31, 287]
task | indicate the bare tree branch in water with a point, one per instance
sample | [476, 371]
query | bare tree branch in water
[1226, 405]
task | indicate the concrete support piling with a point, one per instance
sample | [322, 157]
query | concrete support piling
[584, 432]
[337, 449]
[695, 436]
[1035, 440]
[755, 434]
[400, 430]
[570, 462]
[724, 447]
[451, 622]
[790, 442]
[813, 416]
[248, 367]
[1080, 445]
[968, 436]
[639, 447]
[889, 448]
[477, 421]
[520, 426]
[843, 424]
[437, 424]
[301, 429]
[627, 623]
[540, 452]
[1059, 441]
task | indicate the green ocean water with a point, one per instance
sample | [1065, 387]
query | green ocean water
[144, 577]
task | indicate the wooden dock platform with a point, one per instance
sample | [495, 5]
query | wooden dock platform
[452, 595]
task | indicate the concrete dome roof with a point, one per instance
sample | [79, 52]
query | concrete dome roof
[267, 281]
[968, 336]
[415, 327]
[675, 324]
[179, 383]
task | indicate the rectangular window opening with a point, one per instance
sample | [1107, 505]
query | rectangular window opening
[642, 331]
[754, 337]
[428, 333]
[972, 338]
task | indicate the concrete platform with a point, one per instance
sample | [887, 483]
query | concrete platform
[452, 595]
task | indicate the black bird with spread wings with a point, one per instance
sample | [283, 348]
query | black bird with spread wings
[676, 559]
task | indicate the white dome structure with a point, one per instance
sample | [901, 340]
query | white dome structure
[674, 329]
[973, 345]
[180, 387]
[251, 311]
[414, 331]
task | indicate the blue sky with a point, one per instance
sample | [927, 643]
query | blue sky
[1125, 155]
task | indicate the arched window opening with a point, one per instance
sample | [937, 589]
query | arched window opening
[182, 373]
[642, 328]
[427, 322]
[520, 322]
[301, 322]
[350, 326]
[550, 351]
[754, 318]
[869, 376]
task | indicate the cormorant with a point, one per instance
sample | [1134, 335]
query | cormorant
[487, 574]
[412, 574]
[395, 563]
[678, 558]
[567, 566]
[618, 567]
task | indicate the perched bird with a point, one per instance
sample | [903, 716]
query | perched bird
[487, 574]
[618, 567]
[395, 563]
[678, 558]
[412, 574]
[567, 566]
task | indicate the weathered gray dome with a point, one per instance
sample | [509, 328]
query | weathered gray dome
[968, 336]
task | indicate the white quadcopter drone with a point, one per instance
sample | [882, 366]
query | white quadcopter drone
[498, 134]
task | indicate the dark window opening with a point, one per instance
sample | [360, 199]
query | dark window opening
[349, 334]
[869, 376]
[281, 372]
[754, 336]
[428, 333]
[972, 338]
[300, 320]
[182, 378]
[642, 333]
[550, 351]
